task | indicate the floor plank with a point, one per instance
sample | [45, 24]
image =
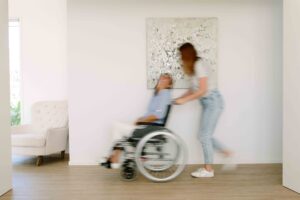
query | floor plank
[56, 180]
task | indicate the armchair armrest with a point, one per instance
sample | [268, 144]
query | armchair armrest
[21, 129]
[56, 139]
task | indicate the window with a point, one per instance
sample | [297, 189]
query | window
[15, 70]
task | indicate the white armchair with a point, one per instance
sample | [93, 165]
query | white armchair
[47, 134]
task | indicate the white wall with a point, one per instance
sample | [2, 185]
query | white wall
[43, 50]
[5, 152]
[291, 96]
[107, 74]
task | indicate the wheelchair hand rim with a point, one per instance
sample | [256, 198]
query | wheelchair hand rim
[140, 146]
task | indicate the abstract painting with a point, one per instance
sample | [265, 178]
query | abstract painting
[165, 35]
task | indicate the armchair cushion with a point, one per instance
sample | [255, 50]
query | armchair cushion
[28, 140]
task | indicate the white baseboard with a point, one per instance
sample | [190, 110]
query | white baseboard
[83, 163]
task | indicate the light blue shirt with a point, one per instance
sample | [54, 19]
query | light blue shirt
[158, 105]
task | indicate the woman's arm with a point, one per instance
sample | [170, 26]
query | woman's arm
[195, 95]
[187, 93]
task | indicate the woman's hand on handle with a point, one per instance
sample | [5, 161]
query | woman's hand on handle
[179, 101]
[189, 96]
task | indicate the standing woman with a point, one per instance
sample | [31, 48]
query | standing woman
[205, 91]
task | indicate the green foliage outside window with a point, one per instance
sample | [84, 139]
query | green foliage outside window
[15, 114]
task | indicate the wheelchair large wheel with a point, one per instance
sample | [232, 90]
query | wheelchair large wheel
[161, 156]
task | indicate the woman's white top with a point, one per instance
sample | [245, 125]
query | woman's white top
[202, 70]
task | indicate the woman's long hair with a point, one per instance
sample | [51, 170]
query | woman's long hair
[188, 47]
[171, 82]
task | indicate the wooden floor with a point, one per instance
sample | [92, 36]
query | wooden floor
[56, 180]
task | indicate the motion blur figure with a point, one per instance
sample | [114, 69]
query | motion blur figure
[205, 91]
[156, 111]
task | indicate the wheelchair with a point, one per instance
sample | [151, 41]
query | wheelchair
[153, 150]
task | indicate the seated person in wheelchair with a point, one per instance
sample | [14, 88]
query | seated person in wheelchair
[155, 115]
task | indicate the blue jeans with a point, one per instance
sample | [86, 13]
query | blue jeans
[212, 107]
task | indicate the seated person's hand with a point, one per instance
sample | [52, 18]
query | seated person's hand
[147, 119]
[138, 121]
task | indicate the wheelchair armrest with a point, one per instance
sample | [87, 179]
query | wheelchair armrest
[153, 140]
[134, 139]
[150, 124]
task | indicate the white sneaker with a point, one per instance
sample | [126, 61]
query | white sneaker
[115, 165]
[202, 173]
[200, 169]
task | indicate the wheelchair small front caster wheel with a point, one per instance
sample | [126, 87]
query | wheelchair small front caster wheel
[128, 170]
